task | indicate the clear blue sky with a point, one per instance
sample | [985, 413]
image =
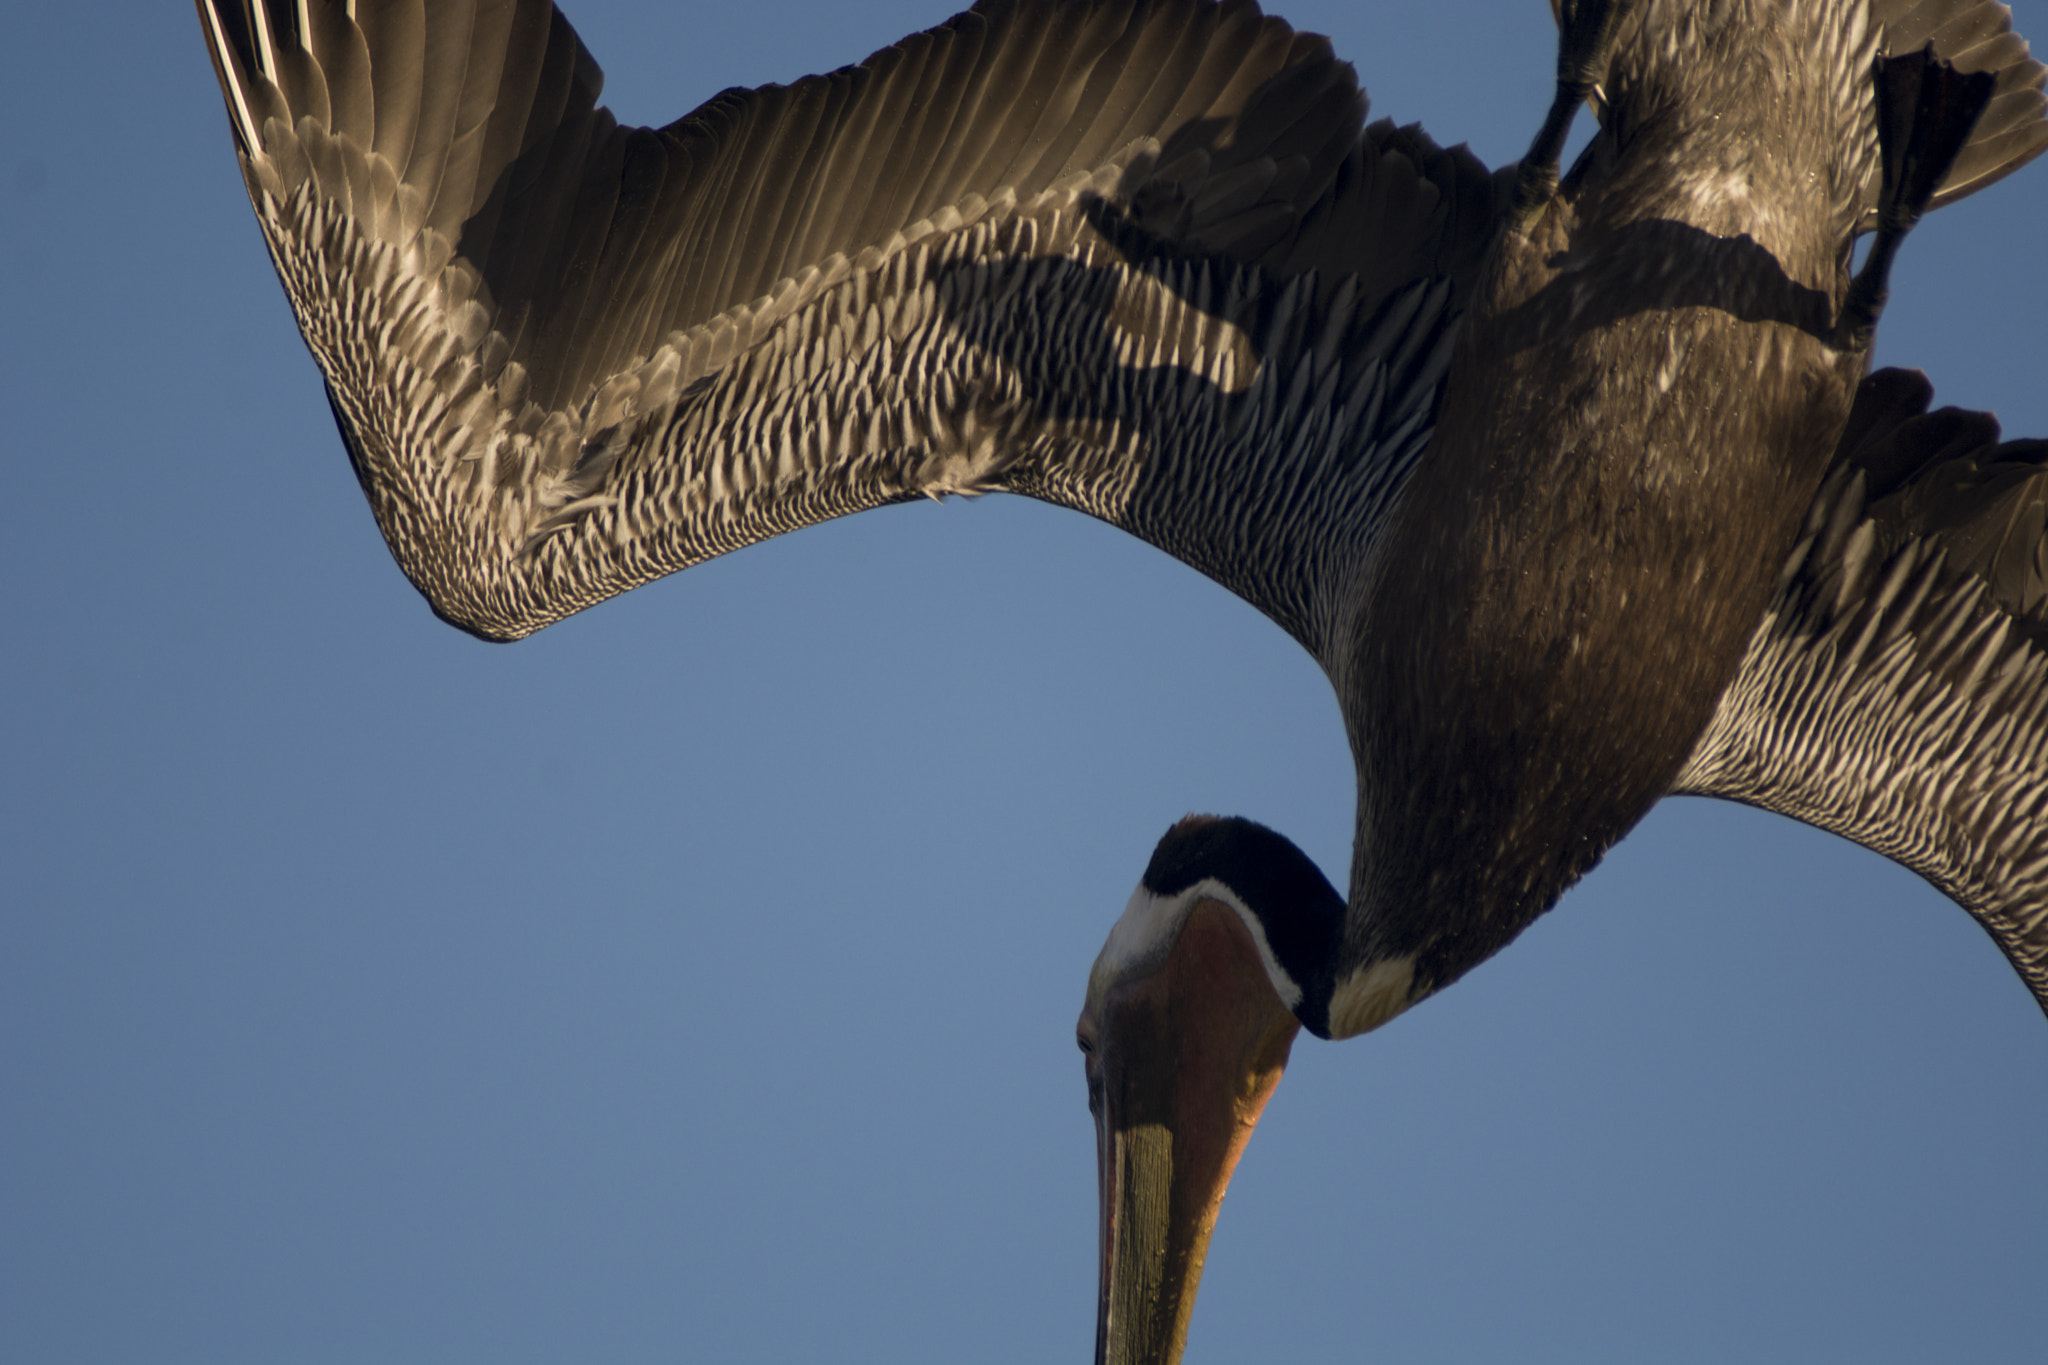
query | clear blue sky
[696, 981]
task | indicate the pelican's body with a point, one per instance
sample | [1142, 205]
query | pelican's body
[1595, 531]
[1559, 483]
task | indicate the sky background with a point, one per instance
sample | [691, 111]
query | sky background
[696, 981]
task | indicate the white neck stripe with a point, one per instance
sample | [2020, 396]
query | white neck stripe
[1151, 924]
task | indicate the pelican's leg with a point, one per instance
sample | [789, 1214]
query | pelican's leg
[1926, 110]
[1585, 44]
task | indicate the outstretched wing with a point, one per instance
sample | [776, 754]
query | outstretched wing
[1133, 258]
[1896, 692]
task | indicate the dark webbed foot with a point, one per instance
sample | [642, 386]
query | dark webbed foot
[1926, 110]
[1585, 45]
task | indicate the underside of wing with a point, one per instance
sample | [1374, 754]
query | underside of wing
[1897, 691]
[1070, 249]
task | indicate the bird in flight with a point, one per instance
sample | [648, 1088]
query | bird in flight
[1576, 486]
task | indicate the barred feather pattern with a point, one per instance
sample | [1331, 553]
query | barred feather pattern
[999, 346]
[1887, 698]
[568, 358]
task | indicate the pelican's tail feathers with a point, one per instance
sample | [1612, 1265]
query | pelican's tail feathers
[1973, 36]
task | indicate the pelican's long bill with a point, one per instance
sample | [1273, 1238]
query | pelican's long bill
[1183, 1051]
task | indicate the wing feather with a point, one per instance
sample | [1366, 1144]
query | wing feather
[1137, 259]
[1897, 691]
[1974, 35]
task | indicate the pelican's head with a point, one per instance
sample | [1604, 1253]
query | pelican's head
[1191, 1012]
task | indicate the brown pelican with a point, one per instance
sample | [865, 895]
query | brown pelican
[1511, 461]
[1507, 685]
